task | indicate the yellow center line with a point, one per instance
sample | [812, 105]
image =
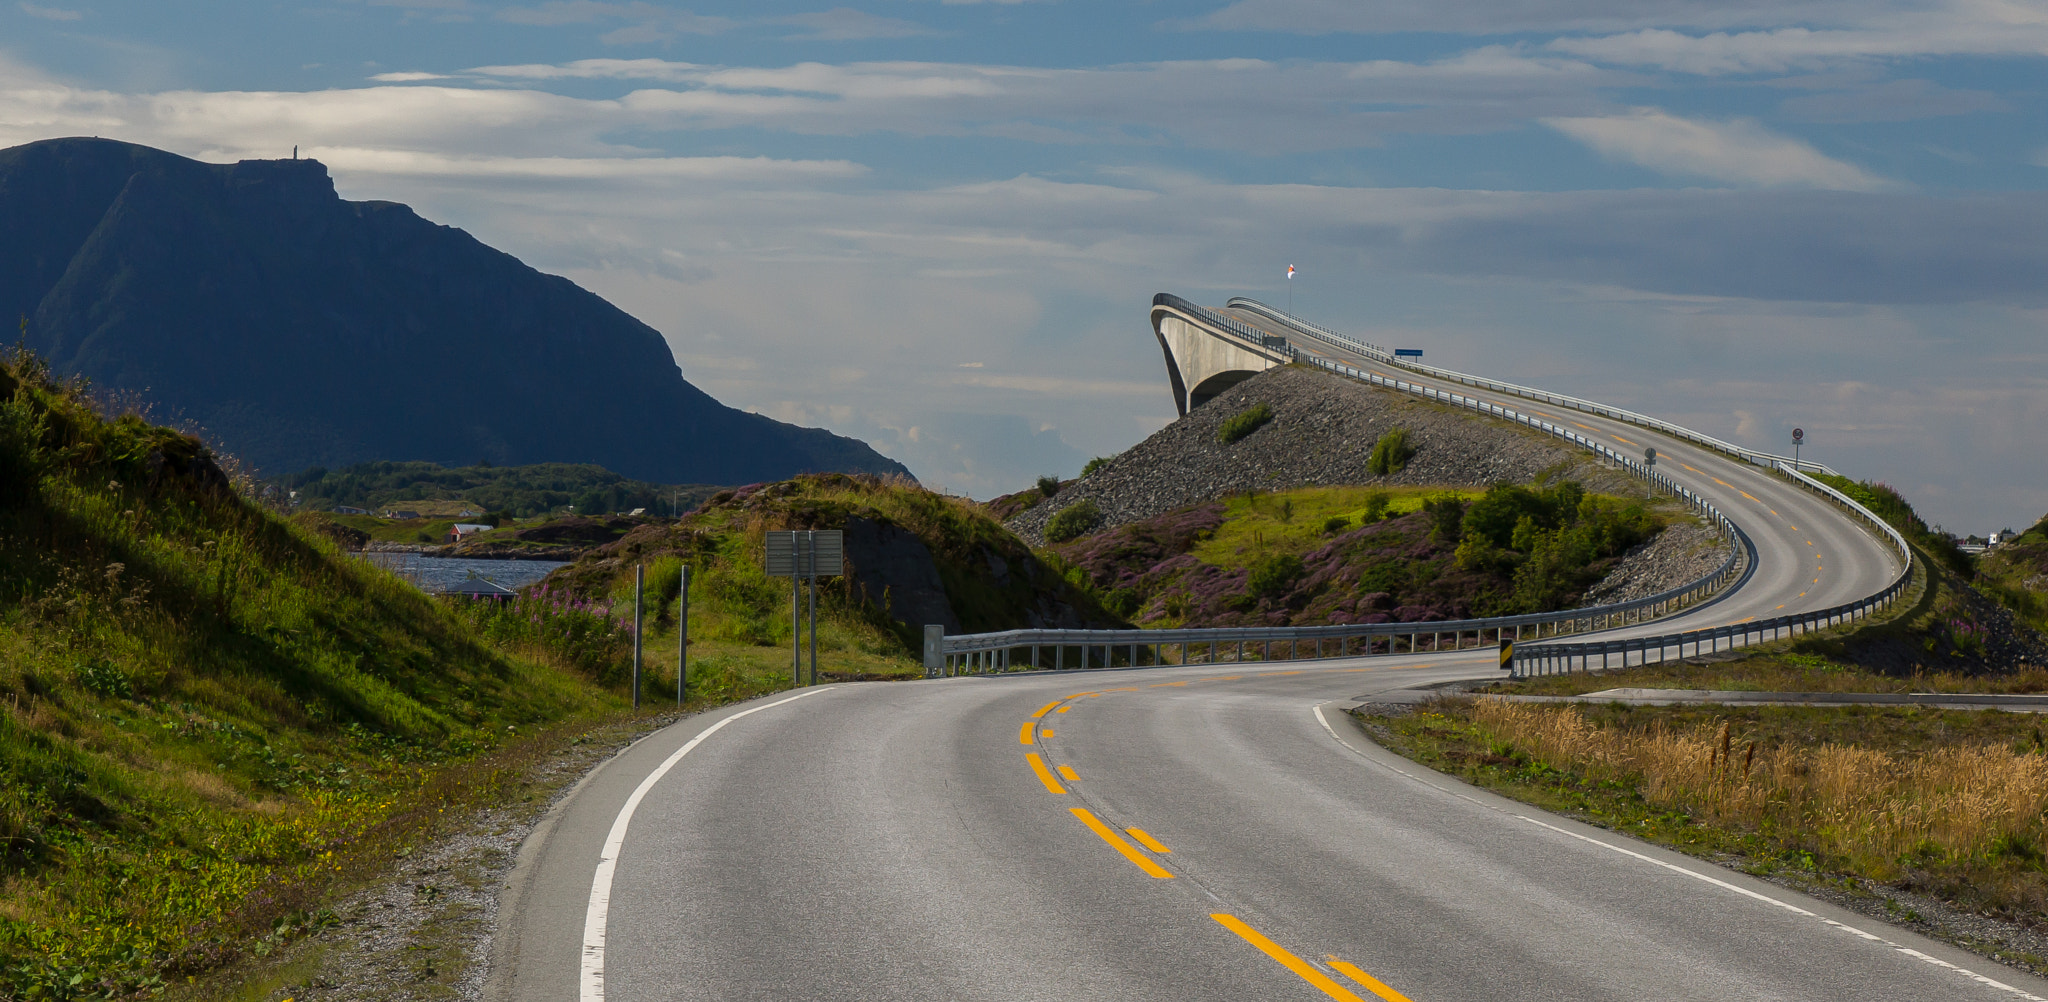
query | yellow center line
[1622, 440]
[1775, 610]
[1270, 673]
[1722, 482]
[1816, 580]
[1047, 732]
[1748, 495]
[1371, 984]
[1078, 695]
[1128, 688]
[1744, 619]
[1067, 773]
[1061, 710]
[1794, 528]
[1109, 835]
[1802, 594]
[1024, 736]
[1044, 774]
[1585, 426]
[1773, 511]
[1165, 685]
[1148, 841]
[1293, 963]
[1688, 467]
[1043, 710]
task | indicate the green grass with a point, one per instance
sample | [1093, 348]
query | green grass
[206, 710]
[1244, 423]
[1778, 671]
[1293, 522]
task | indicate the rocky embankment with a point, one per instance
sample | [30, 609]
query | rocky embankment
[1683, 553]
[1322, 433]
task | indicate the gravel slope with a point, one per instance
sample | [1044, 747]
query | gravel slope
[1322, 433]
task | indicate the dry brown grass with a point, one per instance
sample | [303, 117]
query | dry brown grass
[1880, 811]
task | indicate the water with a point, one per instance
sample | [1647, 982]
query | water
[438, 574]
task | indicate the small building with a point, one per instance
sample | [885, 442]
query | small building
[402, 516]
[476, 587]
[342, 509]
[461, 529]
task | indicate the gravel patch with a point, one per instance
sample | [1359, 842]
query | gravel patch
[1322, 434]
[1683, 553]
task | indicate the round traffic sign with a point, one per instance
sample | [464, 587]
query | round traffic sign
[1798, 434]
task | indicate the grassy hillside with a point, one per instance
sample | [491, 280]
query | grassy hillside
[914, 557]
[1361, 555]
[2016, 573]
[205, 709]
[515, 491]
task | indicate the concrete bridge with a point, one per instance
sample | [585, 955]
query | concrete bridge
[1208, 352]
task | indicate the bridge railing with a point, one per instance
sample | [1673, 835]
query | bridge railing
[1561, 659]
[999, 652]
[1255, 339]
[1764, 459]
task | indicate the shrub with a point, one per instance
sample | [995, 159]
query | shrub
[1272, 576]
[1391, 454]
[1375, 507]
[1336, 524]
[1048, 485]
[1095, 464]
[1072, 521]
[1446, 518]
[1244, 424]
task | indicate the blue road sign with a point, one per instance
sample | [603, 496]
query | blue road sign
[1407, 353]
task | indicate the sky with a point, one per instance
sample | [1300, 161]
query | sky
[938, 226]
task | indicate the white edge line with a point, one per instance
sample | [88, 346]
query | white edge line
[598, 913]
[1716, 881]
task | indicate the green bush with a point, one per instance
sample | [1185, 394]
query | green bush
[1095, 464]
[1336, 524]
[1446, 518]
[1375, 507]
[1072, 521]
[1244, 424]
[1048, 485]
[1391, 454]
[1272, 576]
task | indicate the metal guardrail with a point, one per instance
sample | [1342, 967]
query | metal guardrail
[1255, 339]
[1764, 459]
[997, 652]
[1561, 659]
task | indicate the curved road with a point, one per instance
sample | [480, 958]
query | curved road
[1203, 832]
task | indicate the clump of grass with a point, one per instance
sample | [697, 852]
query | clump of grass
[1072, 521]
[1390, 455]
[1048, 485]
[1244, 423]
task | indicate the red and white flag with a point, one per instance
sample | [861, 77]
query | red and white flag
[1290, 273]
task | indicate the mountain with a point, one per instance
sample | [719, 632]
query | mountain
[299, 329]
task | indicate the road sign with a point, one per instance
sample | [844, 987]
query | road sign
[805, 553]
[1407, 353]
[1798, 435]
[1650, 456]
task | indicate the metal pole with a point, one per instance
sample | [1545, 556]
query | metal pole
[811, 564]
[639, 580]
[683, 638]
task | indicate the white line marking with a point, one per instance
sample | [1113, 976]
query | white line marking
[1745, 892]
[599, 912]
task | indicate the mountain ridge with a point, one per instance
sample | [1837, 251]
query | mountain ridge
[302, 329]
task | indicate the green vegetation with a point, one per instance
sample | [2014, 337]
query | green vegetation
[1550, 539]
[1390, 455]
[1888, 504]
[1048, 485]
[2016, 575]
[515, 491]
[867, 626]
[1072, 521]
[1792, 669]
[1256, 526]
[1859, 799]
[1095, 464]
[1245, 423]
[209, 716]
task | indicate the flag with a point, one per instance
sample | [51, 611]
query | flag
[1290, 273]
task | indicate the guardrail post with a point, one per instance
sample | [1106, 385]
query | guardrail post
[934, 645]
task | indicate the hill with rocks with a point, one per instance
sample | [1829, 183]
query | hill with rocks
[1322, 433]
[298, 329]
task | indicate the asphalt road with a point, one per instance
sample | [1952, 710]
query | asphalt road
[894, 841]
[937, 840]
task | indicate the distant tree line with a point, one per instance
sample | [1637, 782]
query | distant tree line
[507, 491]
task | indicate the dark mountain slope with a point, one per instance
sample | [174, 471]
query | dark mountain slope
[302, 329]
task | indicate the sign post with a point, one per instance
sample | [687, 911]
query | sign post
[801, 554]
[639, 580]
[1798, 437]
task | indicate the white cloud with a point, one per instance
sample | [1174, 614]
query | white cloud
[408, 77]
[1738, 151]
[50, 13]
[1964, 27]
[739, 170]
[1501, 17]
